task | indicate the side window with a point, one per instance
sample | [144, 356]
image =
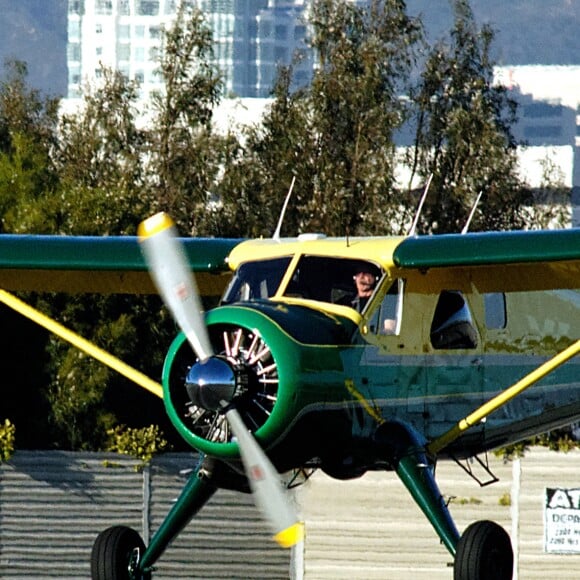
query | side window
[452, 325]
[495, 310]
[387, 318]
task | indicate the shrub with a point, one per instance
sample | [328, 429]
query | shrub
[7, 439]
[142, 443]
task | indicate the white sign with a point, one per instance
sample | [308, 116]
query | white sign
[562, 521]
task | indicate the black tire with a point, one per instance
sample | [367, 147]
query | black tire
[484, 552]
[115, 553]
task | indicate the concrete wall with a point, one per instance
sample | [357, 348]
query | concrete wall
[370, 528]
[52, 506]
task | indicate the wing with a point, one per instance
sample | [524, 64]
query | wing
[499, 261]
[105, 265]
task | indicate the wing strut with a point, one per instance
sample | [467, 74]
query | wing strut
[81, 343]
[504, 397]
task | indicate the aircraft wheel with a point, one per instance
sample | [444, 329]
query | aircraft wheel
[116, 554]
[484, 551]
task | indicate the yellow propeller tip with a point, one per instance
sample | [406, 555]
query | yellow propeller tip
[290, 536]
[154, 224]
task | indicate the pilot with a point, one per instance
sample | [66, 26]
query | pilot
[365, 280]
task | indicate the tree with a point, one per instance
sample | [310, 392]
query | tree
[185, 155]
[366, 56]
[27, 135]
[98, 160]
[463, 134]
[337, 135]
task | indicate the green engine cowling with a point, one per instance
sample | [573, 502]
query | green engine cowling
[280, 366]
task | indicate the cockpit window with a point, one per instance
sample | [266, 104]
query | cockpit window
[388, 316]
[256, 280]
[331, 280]
[452, 325]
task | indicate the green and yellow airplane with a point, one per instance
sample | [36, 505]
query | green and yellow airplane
[340, 354]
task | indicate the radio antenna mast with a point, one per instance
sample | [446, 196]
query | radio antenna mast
[421, 202]
[471, 214]
[276, 235]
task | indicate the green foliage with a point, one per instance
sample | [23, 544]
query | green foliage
[185, 155]
[142, 443]
[466, 500]
[463, 134]
[558, 440]
[7, 440]
[505, 500]
[27, 134]
[335, 136]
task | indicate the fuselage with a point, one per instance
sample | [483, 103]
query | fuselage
[432, 345]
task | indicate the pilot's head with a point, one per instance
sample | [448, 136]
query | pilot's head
[365, 278]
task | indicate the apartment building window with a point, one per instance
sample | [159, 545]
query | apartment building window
[140, 31]
[139, 54]
[281, 54]
[154, 32]
[76, 7]
[536, 110]
[124, 31]
[73, 51]
[74, 29]
[124, 7]
[124, 52]
[74, 75]
[542, 131]
[104, 7]
[148, 7]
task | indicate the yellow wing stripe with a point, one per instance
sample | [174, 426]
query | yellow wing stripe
[153, 225]
[290, 536]
[81, 343]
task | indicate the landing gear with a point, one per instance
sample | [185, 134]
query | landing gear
[484, 551]
[116, 554]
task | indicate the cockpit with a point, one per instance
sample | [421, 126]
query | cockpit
[318, 278]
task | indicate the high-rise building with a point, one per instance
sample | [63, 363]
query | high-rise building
[251, 39]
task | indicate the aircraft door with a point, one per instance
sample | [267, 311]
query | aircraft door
[453, 361]
[392, 356]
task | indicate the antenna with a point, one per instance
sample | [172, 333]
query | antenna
[421, 202]
[471, 214]
[276, 235]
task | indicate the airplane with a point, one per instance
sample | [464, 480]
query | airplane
[466, 344]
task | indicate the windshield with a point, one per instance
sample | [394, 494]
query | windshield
[333, 280]
[256, 280]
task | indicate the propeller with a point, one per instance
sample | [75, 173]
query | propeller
[172, 277]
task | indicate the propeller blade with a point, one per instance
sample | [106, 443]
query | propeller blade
[171, 274]
[264, 480]
[173, 278]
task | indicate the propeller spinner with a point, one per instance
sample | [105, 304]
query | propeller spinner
[214, 383]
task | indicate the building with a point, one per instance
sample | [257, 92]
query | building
[251, 39]
[548, 121]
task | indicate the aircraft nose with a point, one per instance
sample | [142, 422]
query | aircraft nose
[210, 383]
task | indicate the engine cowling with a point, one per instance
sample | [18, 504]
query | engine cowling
[258, 367]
